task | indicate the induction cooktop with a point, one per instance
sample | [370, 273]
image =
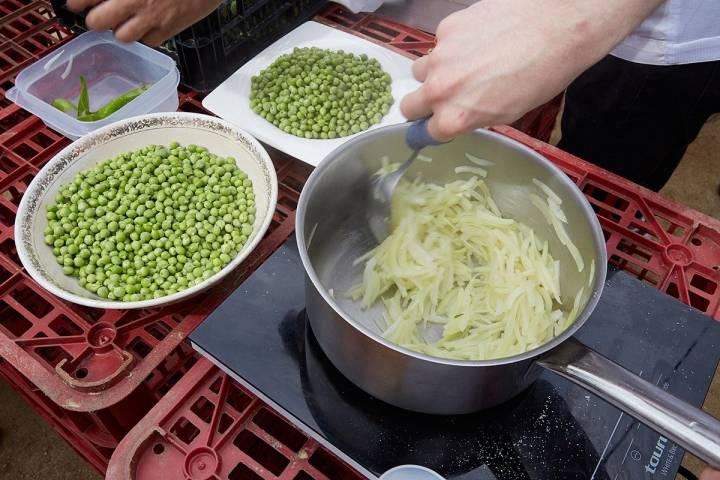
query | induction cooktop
[553, 430]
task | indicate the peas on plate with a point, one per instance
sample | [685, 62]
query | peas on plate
[322, 94]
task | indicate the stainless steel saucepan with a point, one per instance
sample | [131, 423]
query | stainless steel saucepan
[332, 231]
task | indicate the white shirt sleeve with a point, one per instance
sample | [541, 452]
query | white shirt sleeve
[678, 32]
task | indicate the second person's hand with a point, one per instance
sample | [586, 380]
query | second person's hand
[149, 21]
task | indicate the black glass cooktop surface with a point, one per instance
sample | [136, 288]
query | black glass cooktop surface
[553, 430]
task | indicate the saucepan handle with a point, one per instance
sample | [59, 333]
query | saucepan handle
[691, 428]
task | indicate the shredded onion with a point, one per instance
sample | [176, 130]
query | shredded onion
[53, 60]
[576, 307]
[479, 161]
[557, 211]
[458, 280]
[553, 220]
[552, 196]
[66, 72]
[480, 172]
[312, 235]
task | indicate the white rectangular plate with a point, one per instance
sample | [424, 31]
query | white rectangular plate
[231, 100]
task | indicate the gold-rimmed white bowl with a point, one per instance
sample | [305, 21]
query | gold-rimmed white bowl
[218, 136]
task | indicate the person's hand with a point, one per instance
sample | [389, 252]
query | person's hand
[151, 21]
[498, 59]
[710, 474]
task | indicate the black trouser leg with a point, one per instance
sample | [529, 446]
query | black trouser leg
[637, 120]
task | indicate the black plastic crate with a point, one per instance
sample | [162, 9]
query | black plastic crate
[212, 49]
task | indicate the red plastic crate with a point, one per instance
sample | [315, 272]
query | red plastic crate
[20, 19]
[672, 247]
[407, 41]
[95, 435]
[93, 374]
[87, 359]
[28, 32]
[210, 427]
[638, 245]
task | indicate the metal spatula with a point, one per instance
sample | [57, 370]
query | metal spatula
[383, 187]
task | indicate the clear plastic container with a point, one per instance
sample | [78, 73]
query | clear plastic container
[111, 69]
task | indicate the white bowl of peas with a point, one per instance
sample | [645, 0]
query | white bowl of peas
[146, 211]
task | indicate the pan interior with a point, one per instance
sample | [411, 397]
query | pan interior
[336, 231]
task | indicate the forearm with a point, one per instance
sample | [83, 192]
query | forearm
[592, 28]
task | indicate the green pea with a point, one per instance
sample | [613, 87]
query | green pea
[152, 221]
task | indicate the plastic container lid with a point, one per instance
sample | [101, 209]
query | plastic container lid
[111, 69]
[410, 472]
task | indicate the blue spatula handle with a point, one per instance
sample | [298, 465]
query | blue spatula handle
[418, 137]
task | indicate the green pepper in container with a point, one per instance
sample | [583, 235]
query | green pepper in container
[64, 105]
[83, 107]
[113, 105]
